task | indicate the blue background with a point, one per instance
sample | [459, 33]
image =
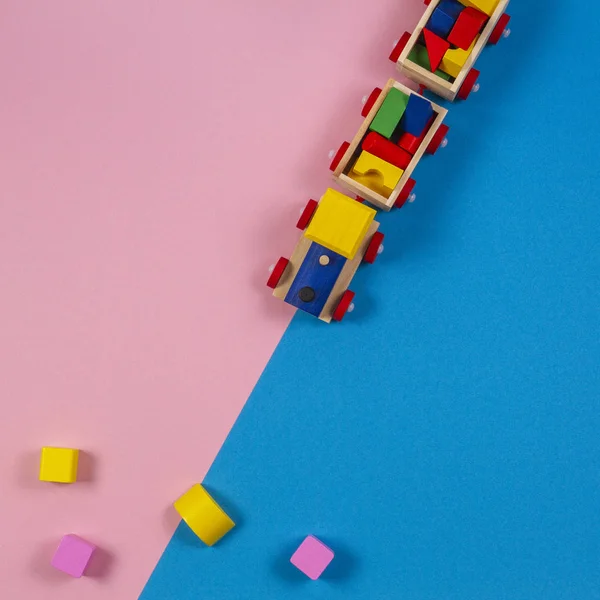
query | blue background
[444, 441]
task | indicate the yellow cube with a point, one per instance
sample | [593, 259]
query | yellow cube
[203, 515]
[339, 223]
[454, 60]
[59, 465]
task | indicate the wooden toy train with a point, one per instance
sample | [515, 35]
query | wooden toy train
[400, 127]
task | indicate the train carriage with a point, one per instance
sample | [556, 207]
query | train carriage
[400, 126]
[441, 52]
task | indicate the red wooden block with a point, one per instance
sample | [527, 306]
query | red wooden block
[469, 23]
[410, 143]
[436, 48]
[376, 144]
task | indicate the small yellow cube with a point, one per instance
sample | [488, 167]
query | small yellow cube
[203, 515]
[59, 465]
[340, 223]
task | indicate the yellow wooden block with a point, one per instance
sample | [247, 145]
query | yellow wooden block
[485, 6]
[203, 515]
[376, 174]
[59, 465]
[339, 223]
[454, 60]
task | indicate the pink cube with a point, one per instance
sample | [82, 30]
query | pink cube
[72, 555]
[312, 557]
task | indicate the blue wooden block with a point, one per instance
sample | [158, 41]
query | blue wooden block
[441, 23]
[452, 8]
[314, 281]
[417, 115]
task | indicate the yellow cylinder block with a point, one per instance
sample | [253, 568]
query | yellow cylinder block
[203, 515]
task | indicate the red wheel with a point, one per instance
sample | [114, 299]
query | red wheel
[427, 2]
[499, 29]
[405, 193]
[437, 139]
[359, 199]
[373, 247]
[343, 306]
[397, 51]
[277, 272]
[370, 101]
[307, 213]
[339, 155]
[468, 84]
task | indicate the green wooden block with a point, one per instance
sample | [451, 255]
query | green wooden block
[389, 114]
[420, 57]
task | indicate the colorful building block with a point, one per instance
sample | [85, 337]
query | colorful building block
[418, 54]
[378, 146]
[203, 515]
[59, 465]
[72, 555]
[452, 8]
[376, 174]
[454, 60]
[417, 114]
[468, 25]
[390, 112]
[340, 223]
[411, 143]
[441, 23]
[312, 557]
[436, 48]
[485, 6]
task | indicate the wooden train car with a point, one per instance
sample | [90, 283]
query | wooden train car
[400, 126]
[442, 50]
[339, 234]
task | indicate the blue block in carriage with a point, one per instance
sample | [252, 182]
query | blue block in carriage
[417, 115]
[452, 8]
[441, 23]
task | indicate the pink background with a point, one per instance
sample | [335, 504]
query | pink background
[153, 160]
